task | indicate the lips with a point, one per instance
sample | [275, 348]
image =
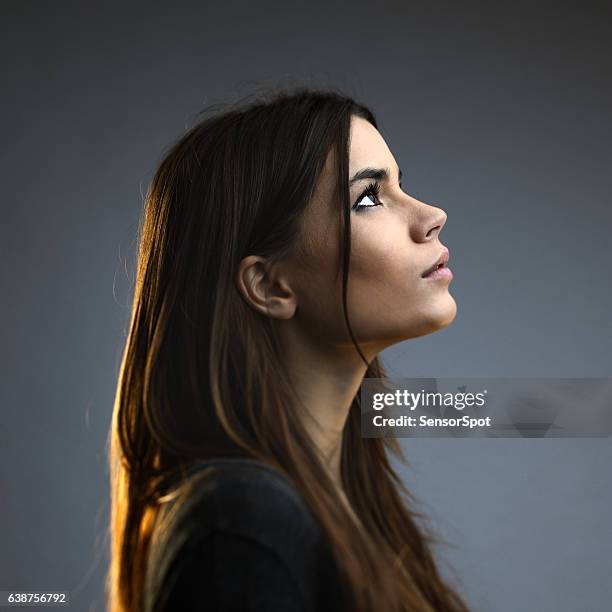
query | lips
[440, 262]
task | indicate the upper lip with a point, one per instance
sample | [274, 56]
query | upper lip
[442, 259]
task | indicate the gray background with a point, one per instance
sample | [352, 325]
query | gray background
[498, 113]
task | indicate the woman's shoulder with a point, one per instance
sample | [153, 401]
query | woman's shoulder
[245, 519]
[251, 498]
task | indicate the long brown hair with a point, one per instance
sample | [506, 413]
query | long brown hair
[202, 373]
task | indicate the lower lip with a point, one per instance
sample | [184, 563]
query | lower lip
[439, 274]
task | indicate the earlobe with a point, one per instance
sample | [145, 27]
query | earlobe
[263, 289]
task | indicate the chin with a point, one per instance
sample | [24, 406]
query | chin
[450, 311]
[441, 315]
[446, 312]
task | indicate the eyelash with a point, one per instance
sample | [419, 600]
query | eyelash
[372, 189]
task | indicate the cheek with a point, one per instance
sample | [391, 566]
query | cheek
[380, 290]
[383, 264]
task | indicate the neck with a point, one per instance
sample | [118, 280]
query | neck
[326, 380]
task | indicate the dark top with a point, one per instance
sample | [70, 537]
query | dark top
[248, 543]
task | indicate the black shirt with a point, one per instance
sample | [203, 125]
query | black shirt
[248, 543]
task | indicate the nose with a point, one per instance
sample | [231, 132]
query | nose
[430, 222]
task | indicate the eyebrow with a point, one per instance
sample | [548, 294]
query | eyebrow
[381, 174]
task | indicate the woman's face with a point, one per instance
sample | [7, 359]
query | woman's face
[392, 244]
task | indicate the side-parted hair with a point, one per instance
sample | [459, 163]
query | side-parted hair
[203, 375]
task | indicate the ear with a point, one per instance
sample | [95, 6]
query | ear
[264, 289]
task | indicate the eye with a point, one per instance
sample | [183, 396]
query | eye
[372, 190]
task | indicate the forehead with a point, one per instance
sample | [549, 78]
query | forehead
[367, 147]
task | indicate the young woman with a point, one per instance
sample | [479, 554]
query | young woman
[239, 477]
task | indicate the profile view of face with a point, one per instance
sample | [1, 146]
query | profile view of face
[395, 241]
[395, 238]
